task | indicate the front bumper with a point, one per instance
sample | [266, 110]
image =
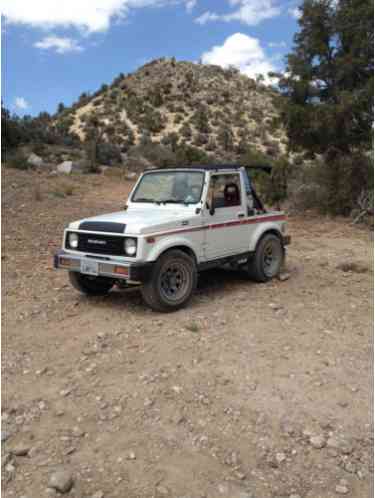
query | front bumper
[135, 272]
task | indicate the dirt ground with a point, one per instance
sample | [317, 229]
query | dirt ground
[253, 391]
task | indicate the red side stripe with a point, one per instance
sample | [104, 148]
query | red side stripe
[246, 221]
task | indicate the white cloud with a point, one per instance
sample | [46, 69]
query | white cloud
[243, 52]
[281, 44]
[60, 45]
[190, 4]
[89, 15]
[295, 12]
[21, 103]
[206, 17]
[250, 12]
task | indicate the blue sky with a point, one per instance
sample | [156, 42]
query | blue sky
[52, 51]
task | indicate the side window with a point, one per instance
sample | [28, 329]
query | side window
[225, 190]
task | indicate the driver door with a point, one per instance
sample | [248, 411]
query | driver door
[225, 235]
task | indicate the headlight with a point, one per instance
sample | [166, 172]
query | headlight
[130, 246]
[73, 240]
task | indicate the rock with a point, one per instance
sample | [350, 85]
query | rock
[51, 492]
[294, 496]
[35, 160]
[4, 436]
[232, 459]
[131, 456]
[317, 442]
[340, 444]
[350, 467]
[20, 450]
[66, 167]
[10, 468]
[62, 481]
[103, 168]
[162, 491]
[131, 175]
[341, 490]
[78, 432]
[280, 457]
[6, 459]
[98, 494]
[284, 276]
[275, 306]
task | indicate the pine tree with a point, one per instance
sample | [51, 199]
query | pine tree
[329, 77]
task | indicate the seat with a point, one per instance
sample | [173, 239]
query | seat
[231, 195]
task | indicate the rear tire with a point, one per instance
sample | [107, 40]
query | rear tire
[172, 282]
[91, 286]
[267, 260]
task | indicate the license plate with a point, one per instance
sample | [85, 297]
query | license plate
[89, 267]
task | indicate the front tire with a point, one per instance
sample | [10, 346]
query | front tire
[91, 286]
[172, 282]
[267, 260]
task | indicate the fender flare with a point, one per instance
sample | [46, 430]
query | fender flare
[262, 231]
[169, 243]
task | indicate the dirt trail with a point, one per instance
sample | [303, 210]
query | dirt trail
[221, 399]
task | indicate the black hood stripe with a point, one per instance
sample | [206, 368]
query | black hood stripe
[102, 226]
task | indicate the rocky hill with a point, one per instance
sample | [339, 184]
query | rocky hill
[218, 111]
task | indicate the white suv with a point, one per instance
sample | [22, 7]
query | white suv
[177, 222]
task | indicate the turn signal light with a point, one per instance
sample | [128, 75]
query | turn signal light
[64, 262]
[121, 270]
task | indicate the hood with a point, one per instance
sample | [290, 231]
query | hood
[138, 220]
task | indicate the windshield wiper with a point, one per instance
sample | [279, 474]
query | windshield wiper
[173, 201]
[145, 199]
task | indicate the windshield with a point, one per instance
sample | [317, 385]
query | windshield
[175, 187]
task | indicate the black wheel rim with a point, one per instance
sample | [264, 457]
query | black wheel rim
[174, 281]
[272, 258]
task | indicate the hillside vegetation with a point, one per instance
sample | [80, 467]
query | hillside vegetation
[221, 112]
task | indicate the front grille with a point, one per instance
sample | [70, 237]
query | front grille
[99, 244]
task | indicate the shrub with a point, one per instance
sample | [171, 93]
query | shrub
[171, 140]
[40, 149]
[212, 145]
[158, 155]
[189, 155]
[332, 184]
[201, 139]
[178, 118]
[185, 131]
[225, 138]
[17, 160]
[107, 153]
[153, 121]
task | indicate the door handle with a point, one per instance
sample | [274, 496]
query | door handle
[241, 215]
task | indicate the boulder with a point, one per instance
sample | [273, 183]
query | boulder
[35, 160]
[66, 167]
